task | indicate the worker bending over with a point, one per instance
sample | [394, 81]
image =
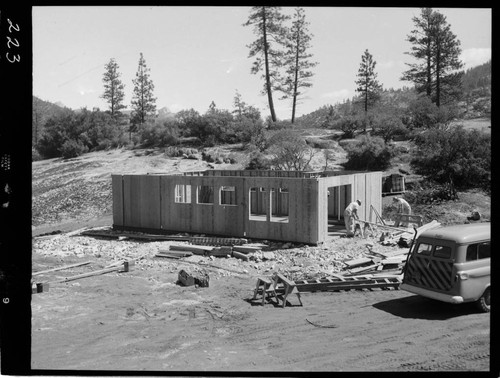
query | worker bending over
[351, 214]
[403, 208]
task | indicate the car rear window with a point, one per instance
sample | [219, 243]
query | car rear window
[424, 249]
[478, 251]
[442, 252]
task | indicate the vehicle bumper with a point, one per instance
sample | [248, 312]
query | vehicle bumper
[432, 294]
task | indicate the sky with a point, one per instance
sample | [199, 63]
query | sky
[197, 54]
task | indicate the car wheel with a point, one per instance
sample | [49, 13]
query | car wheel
[483, 303]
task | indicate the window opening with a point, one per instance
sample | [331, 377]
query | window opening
[257, 205]
[227, 195]
[182, 193]
[477, 251]
[442, 252]
[279, 205]
[205, 195]
[424, 249]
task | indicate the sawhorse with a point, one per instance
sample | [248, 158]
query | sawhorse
[276, 285]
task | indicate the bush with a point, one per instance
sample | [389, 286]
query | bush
[278, 125]
[423, 113]
[258, 161]
[71, 149]
[432, 193]
[158, 134]
[289, 151]
[389, 127]
[35, 155]
[320, 143]
[371, 153]
[348, 143]
[458, 157]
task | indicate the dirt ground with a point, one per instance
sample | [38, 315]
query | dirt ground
[142, 320]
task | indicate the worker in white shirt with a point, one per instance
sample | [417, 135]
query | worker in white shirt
[403, 208]
[351, 214]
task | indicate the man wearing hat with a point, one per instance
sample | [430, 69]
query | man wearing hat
[350, 214]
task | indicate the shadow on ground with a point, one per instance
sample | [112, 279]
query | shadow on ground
[418, 307]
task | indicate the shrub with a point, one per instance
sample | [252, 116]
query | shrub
[257, 161]
[289, 151]
[431, 193]
[72, 148]
[348, 143]
[320, 143]
[371, 153]
[389, 127]
[423, 113]
[35, 155]
[458, 157]
[158, 134]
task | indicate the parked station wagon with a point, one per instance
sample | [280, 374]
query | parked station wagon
[451, 264]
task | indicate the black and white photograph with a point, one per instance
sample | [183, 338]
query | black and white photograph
[242, 190]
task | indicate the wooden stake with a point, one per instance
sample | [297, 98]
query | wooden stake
[60, 268]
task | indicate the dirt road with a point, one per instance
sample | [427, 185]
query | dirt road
[142, 321]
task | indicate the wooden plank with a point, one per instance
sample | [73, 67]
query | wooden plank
[240, 256]
[221, 251]
[117, 191]
[357, 262]
[363, 268]
[246, 249]
[142, 201]
[208, 266]
[198, 250]
[61, 268]
[175, 253]
[123, 268]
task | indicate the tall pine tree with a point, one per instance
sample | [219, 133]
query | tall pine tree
[297, 63]
[437, 51]
[113, 88]
[267, 23]
[367, 83]
[143, 101]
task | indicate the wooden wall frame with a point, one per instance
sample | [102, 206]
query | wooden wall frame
[293, 206]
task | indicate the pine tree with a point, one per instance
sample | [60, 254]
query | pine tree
[113, 88]
[239, 106]
[267, 23]
[367, 82]
[297, 63]
[437, 51]
[143, 101]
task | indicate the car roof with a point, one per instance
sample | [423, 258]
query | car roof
[463, 233]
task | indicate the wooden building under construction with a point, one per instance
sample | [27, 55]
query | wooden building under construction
[276, 205]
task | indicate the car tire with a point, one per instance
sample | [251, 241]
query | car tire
[483, 303]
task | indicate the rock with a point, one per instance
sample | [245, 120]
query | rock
[268, 256]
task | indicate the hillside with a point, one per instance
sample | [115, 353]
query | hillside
[72, 193]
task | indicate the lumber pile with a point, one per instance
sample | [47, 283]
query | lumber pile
[242, 252]
[382, 262]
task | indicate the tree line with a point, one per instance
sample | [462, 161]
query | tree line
[282, 58]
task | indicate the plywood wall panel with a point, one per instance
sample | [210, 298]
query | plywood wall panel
[141, 201]
[149, 202]
[117, 190]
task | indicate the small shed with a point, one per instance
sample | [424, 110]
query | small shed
[276, 205]
[393, 184]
